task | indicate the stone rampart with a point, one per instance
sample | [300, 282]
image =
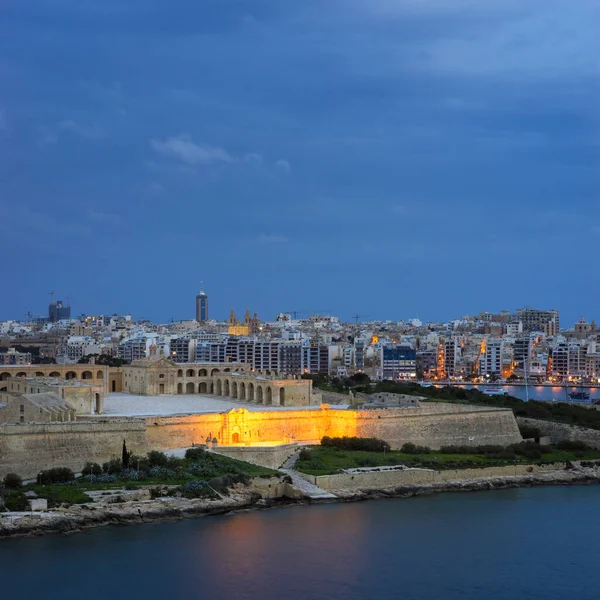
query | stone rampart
[272, 457]
[365, 480]
[433, 425]
[29, 448]
[558, 432]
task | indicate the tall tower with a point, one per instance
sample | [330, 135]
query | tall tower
[201, 307]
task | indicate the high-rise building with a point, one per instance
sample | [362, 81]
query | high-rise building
[398, 362]
[57, 311]
[201, 307]
[492, 358]
[534, 319]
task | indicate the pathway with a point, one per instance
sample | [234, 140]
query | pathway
[308, 489]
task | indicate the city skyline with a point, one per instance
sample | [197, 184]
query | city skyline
[220, 315]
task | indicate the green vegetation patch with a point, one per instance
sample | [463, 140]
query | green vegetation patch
[320, 460]
[199, 474]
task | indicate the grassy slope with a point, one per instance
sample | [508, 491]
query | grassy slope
[74, 493]
[327, 461]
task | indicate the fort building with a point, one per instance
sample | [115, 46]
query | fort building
[82, 398]
[158, 376]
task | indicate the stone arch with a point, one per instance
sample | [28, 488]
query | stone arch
[70, 375]
[203, 373]
[21, 374]
[269, 394]
[234, 389]
[250, 395]
[190, 373]
[282, 396]
[242, 391]
[54, 374]
[5, 376]
[87, 375]
[259, 394]
[180, 388]
[227, 370]
[235, 438]
[39, 374]
[226, 388]
[100, 375]
[3, 389]
[219, 387]
[189, 387]
[202, 388]
[214, 372]
[180, 373]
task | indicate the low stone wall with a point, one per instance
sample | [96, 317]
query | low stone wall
[561, 431]
[27, 449]
[366, 480]
[271, 457]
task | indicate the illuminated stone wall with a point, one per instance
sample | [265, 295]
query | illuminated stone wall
[434, 425]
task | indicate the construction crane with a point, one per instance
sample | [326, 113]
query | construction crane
[357, 317]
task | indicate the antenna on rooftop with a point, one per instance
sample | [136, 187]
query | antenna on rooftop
[51, 294]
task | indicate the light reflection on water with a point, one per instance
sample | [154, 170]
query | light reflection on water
[504, 545]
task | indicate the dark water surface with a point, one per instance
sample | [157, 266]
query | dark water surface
[529, 543]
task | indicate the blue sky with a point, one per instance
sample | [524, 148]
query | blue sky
[393, 158]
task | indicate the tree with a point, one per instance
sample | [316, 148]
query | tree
[360, 378]
[126, 456]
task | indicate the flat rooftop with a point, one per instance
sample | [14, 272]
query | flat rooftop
[131, 405]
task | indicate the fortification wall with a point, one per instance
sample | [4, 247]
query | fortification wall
[29, 448]
[561, 431]
[272, 457]
[389, 479]
[433, 426]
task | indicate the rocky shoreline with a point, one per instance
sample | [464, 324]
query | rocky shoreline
[78, 518]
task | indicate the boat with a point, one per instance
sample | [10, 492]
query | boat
[495, 391]
[425, 384]
[579, 395]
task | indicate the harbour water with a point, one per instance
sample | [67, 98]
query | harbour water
[537, 543]
[540, 392]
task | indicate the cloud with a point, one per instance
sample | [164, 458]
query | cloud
[156, 189]
[283, 165]
[92, 132]
[184, 149]
[272, 239]
[253, 157]
[105, 218]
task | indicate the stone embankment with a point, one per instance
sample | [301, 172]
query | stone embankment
[125, 511]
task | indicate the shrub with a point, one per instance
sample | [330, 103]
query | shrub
[528, 432]
[16, 502]
[12, 481]
[223, 483]
[57, 475]
[410, 448]
[113, 466]
[572, 445]
[195, 453]
[91, 469]
[356, 443]
[158, 459]
[196, 489]
[305, 454]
